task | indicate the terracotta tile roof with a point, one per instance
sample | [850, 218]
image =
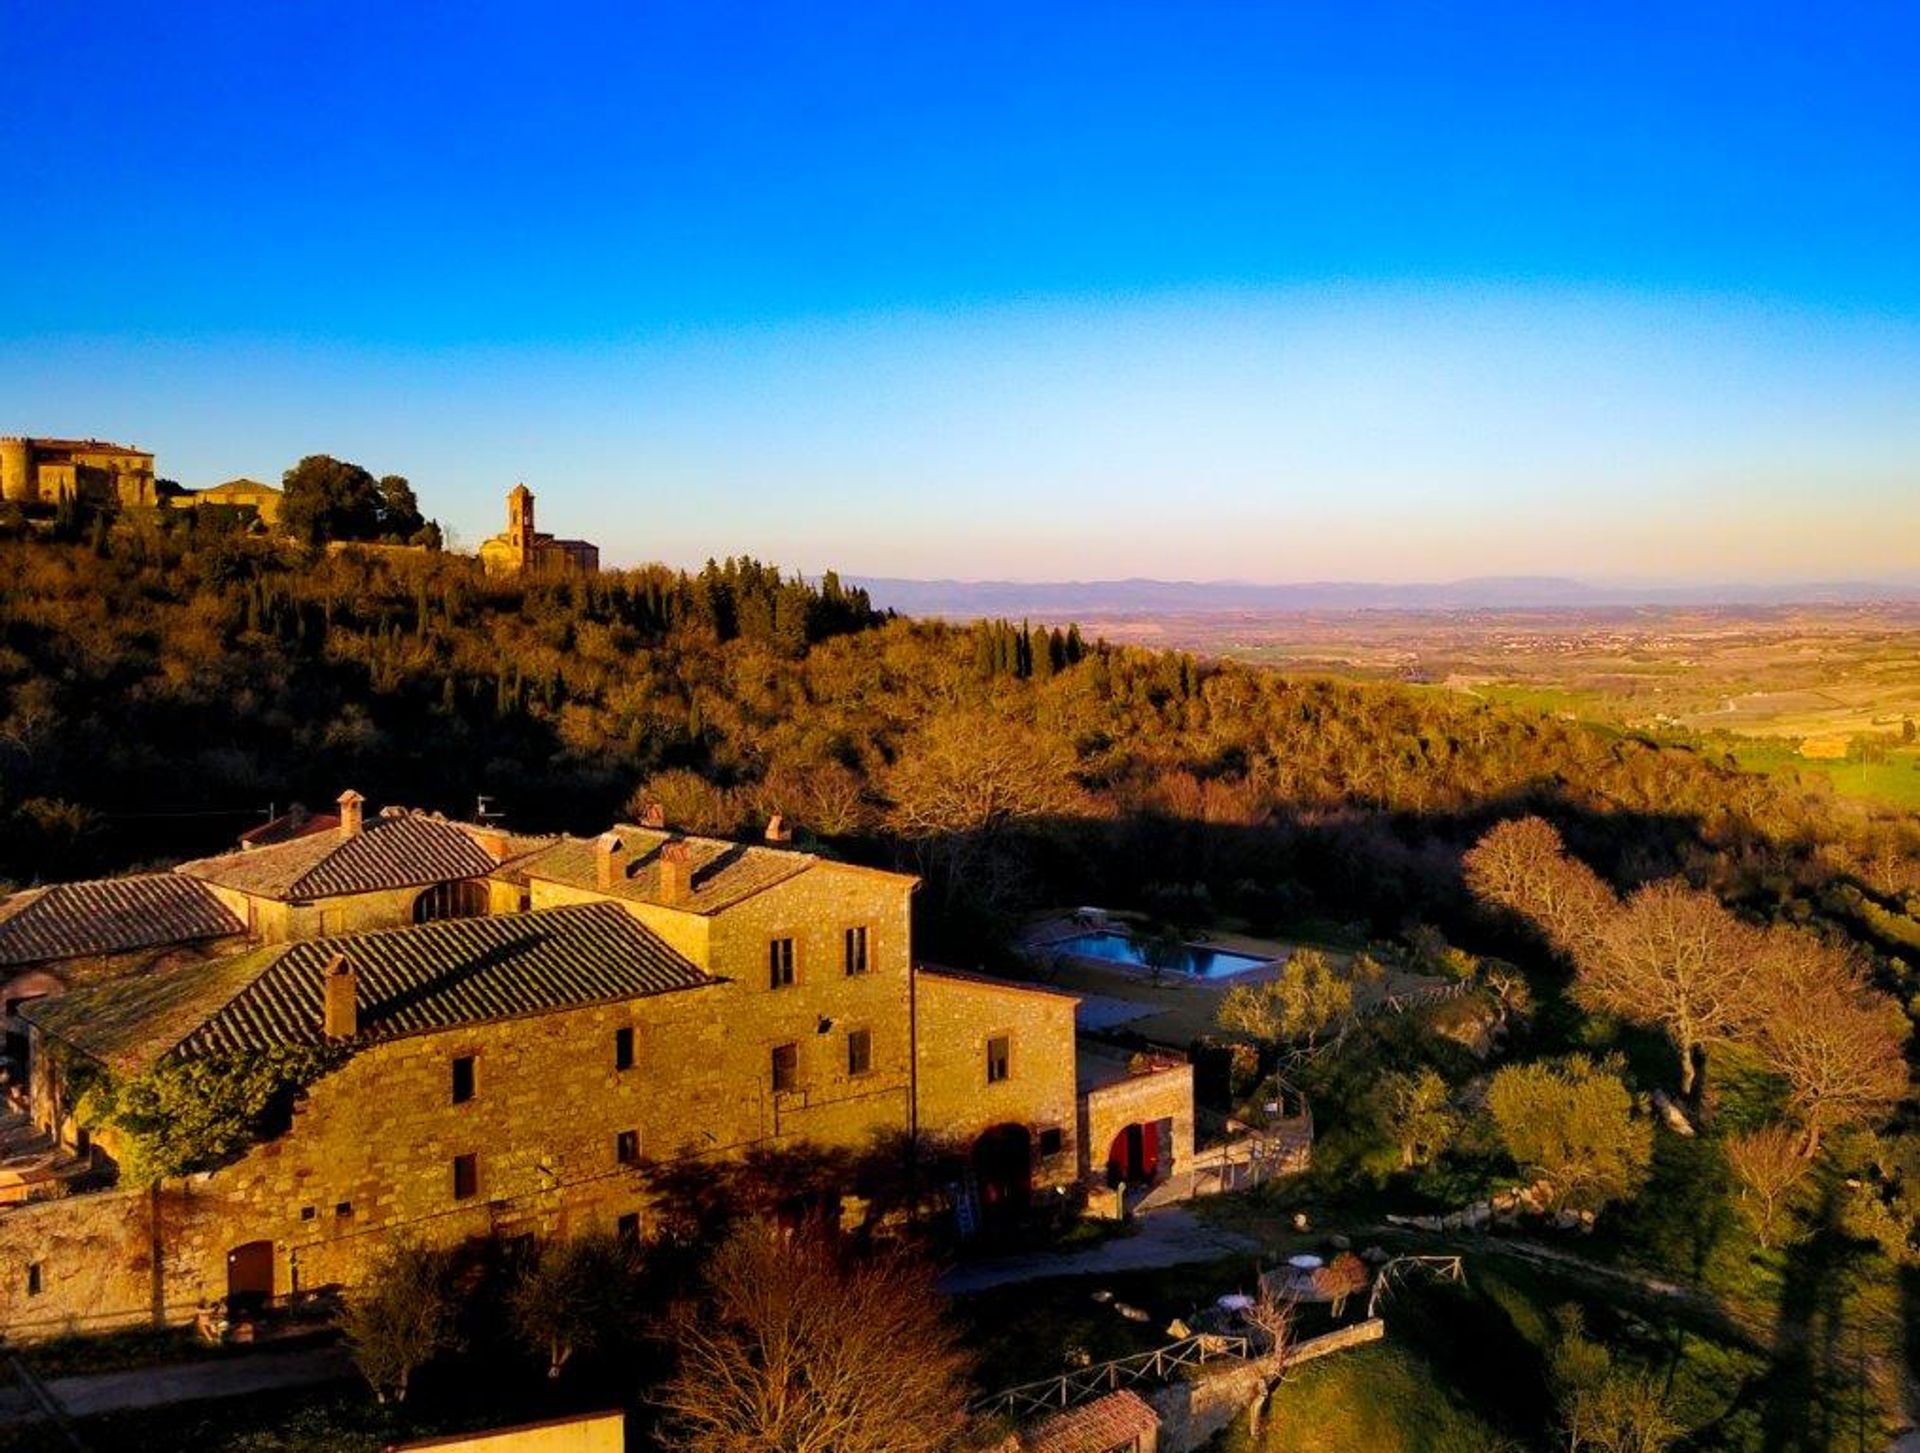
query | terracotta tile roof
[411, 981]
[130, 1020]
[724, 872]
[1120, 1420]
[288, 826]
[994, 981]
[390, 852]
[111, 915]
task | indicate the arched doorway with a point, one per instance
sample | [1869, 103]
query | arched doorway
[1003, 1170]
[462, 898]
[249, 1277]
[1134, 1155]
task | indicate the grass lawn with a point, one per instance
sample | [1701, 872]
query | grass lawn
[1384, 1398]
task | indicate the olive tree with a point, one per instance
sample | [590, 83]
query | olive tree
[400, 1317]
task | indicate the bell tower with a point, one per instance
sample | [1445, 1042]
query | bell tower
[520, 524]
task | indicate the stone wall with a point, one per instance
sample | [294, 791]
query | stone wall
[1163, 1097]
[1196, 1409]
[957, 1016]
[590, 1433]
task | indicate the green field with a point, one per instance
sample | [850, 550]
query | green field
[1896, 781]
[1385, 1398]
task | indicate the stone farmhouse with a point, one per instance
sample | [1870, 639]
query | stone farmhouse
[509, 1036]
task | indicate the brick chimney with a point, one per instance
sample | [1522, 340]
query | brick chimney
[676, 874]
[493, 842]
[609, 860]
[653, 815]
[340, 999]
[777, 830]
[351, 803]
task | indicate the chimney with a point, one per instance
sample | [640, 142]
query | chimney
[350, 804]
[493, 842]
[653, 815]
[340, 999]
[676, 874]
[609, 865]
[777, 830]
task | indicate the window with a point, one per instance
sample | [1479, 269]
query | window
[307, 1213]
[462, 1079]
[999, 1059]
[33, 1278]
[629, 1228]
[462, 898]
[859, 1051]
[343, 1209]
[623, 1049]
[1051, 1139]
[786, 1067]
[856, 951]
[466, 1177]
[626, 1147]
[780, 962]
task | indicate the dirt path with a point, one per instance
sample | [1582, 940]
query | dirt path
[1167, 1237]
[183, 1382]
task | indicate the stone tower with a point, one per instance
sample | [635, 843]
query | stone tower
[520, 533]
[17, 484]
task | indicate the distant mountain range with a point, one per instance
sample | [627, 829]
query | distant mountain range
[1057, 600]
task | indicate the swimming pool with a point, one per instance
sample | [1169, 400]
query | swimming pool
[1121, 948]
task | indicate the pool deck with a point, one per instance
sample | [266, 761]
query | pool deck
[1174, 1012]
[1179, 1009]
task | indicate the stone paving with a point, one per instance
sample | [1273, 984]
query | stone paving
[1171, 1236]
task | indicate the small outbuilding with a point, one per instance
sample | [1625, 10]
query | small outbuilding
[1120, 1422]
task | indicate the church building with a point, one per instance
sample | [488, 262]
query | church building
[522, 550]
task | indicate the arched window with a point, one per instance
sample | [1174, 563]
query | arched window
[462, 898]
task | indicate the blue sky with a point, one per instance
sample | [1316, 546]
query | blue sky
[1272, 292]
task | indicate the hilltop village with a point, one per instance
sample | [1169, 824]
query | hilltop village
[45, 480]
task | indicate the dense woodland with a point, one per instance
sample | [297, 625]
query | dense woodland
[161, 682]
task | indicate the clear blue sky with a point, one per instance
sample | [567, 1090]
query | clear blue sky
[1273, 291]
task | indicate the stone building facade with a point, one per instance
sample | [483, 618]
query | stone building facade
[576, 1033]
[244, 496]
[522, 550]
[47, 471]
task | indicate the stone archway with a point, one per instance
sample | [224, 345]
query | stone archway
[1003, 1170]
[1133, 1157]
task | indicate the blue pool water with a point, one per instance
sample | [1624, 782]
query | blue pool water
[1120, 948]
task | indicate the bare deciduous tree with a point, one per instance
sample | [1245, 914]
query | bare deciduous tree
[1671, 956]
[795, 1349]
[1837, 1043]
[1769, 1167]
[1522, 865]
[975, 772]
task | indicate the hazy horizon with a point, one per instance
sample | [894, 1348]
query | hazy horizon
[1076, 296]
